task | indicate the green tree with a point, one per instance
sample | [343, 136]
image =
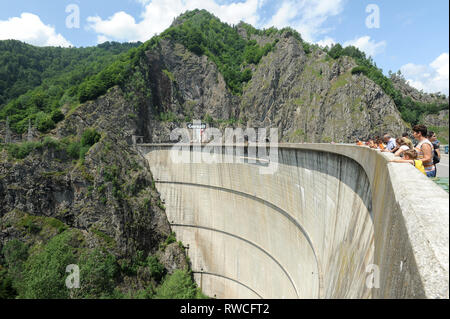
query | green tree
[157, 270]
[45, 271]
[44, 123]
[7, 290]
[15, 253]
[178, 285]
[57, 116]
[89, 137]
[98, 272]
[336, 51]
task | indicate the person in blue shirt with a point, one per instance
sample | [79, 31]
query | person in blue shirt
[390, 142]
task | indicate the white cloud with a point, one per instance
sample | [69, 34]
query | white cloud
[365, 44]
[30, 29]
[327, 41]
[120, 26]
[102, 39]
[159, 14]
[306, 16]
[430, 78]
[285, 14]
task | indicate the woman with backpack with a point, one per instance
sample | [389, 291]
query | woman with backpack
[436, 144]
[424, 149]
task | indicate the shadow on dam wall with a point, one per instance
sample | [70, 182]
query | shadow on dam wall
[324, 225]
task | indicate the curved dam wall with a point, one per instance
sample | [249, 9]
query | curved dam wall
[332, 221]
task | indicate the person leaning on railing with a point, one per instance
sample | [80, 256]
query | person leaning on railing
[408, 141]
[411, 158]
[403, 146]
[424, 149]
[379, 143]
[389, 142]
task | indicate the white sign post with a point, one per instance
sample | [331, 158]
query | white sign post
[198, 127]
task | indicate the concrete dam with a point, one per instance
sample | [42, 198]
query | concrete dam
[333, 221]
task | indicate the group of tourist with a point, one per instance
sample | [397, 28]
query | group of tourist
[422, 151]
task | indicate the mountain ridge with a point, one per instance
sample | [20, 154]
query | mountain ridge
[202, 33]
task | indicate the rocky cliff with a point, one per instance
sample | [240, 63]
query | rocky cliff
[439, 124]
[402, 85]
[106, 200]
[312, 98]
[308, 97]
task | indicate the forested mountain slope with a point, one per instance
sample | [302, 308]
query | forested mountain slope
[34, 79]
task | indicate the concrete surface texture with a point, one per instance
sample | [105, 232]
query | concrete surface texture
[333, 221]
[442, 166]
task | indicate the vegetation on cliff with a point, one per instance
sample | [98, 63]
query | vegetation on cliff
[102, 214]
[411, 111]
[38, 270]
[36, 82]
[72, 147]
[203, 33]
[24, 67]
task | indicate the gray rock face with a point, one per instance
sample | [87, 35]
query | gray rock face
[110, 197]
[311, 98]
[416, 95]
[308, 97]
[186, 86]
[440, 119]
[173, 258]
[439, 124]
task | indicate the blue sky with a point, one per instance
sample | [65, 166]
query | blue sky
[411, 35]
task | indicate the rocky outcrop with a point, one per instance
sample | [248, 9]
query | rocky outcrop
[183, 87]
[439, 124]
[440, 119]
[109, 197]
[407, 90]
[313, 98]
[308, 97]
